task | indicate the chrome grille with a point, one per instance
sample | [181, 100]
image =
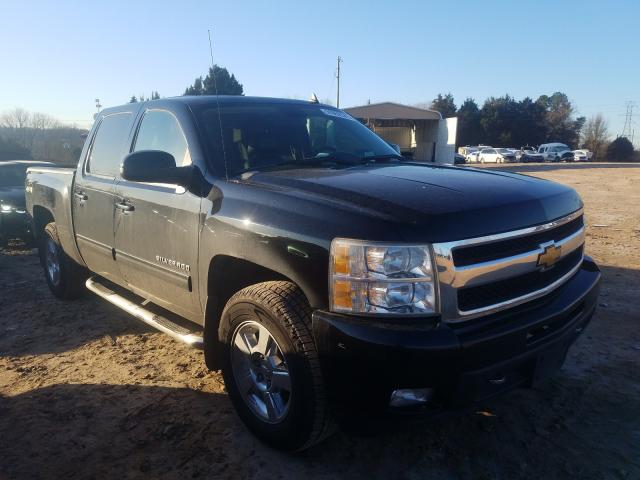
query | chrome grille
[487, 274]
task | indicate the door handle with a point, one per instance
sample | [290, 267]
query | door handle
[81, 196]
[125, 207]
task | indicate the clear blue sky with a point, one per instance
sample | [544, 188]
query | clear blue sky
[57, 57]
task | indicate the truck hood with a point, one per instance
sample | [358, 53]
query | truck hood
[13, 196]
[430, 203]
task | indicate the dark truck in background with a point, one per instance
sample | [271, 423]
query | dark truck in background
[324, 274]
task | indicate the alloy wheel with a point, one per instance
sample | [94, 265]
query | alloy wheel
[52, 262]
[260, 371]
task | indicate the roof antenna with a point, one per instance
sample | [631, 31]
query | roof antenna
[314, 98]
[215, 86]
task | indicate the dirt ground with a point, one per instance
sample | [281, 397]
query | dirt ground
[88, 392]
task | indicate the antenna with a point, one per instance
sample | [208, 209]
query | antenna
[338, 77]
[215, 86]
[213, 71]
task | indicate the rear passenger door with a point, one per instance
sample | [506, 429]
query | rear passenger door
[157, 235]
[93, 194]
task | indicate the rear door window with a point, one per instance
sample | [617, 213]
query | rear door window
[109, 144]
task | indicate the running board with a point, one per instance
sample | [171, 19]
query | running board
[156, 321]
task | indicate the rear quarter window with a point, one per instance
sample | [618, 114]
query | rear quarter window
[109, 144]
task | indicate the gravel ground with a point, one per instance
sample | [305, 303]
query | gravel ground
[88, 392]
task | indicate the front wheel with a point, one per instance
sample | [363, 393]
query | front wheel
[271, 366]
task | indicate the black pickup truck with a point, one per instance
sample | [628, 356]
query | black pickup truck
[319, 270]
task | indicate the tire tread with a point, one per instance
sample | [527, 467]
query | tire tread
[289, 303]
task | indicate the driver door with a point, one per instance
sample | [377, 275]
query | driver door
[158, 224]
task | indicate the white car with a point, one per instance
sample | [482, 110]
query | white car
[472, 157]
[582, 155]
[494, 155]
[555, 152]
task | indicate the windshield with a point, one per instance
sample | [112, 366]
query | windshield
[262, 135]
[12, 175]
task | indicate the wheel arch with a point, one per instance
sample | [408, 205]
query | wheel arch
[226, 276]
[41, 217]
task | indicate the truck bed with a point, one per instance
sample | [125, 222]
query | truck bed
[51, 189]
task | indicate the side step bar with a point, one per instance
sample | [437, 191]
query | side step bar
[156, 321]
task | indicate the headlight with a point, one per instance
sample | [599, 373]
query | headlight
[6, 208]
[370, 277]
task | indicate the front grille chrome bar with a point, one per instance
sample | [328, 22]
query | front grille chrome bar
[452, 278]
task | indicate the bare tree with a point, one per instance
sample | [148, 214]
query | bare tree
[15, 119]
[43, 121]
[595, 135]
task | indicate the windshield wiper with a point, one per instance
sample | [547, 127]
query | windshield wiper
[386, 156]
[306, 162]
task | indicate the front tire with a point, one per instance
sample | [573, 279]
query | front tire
[271, 367]
[65, 277]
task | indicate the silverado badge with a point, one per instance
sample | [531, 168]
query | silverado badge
[549, 256]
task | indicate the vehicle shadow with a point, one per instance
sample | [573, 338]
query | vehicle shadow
[110, 431]
[34, 322]
[567, 427]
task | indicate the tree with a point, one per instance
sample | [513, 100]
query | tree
[133, 99]
[497, 119]
[595, 135]
[155, 95]
[444, 105]
[469, 129]
[620, 150]
[10, 150]
[15, 119]
[529, 124]
[218, 81]
[561, 125]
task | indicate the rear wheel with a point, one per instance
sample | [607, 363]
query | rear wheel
[271, 367]
[64, 276]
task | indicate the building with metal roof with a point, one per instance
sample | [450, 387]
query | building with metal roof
[422, 134]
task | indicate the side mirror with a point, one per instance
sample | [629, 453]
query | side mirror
[396, 147]
[155, 166]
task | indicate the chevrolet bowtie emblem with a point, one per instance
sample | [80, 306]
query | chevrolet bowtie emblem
[549, 256]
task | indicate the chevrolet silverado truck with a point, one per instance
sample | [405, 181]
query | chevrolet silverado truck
[324, 274]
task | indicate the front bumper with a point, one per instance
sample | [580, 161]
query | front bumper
[15, 224]
[364, 360]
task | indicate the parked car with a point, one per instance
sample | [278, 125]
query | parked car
[324, 274]
[14, 221]
[466, 150]
[582, 155]
[473, 157]
[555, 152]
[495, 155]
[507, 154]
[529, 154]
[459, 159]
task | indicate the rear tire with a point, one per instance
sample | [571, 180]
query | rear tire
[64, 276]
[271, 367]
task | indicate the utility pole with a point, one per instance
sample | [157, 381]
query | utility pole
[338, 77]
[627, 130]
[98, 107]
